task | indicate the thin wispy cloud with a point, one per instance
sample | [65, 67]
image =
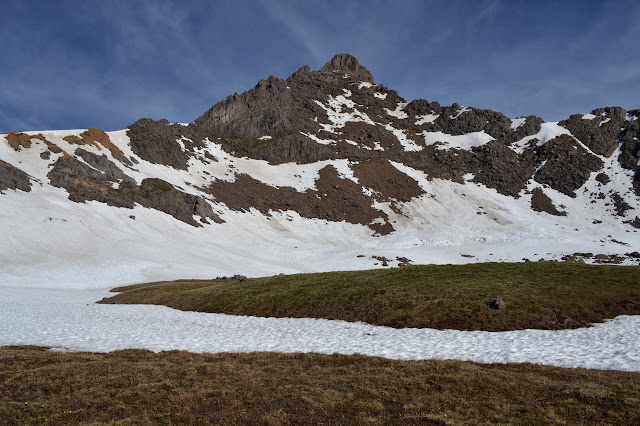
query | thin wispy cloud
[302, 31]
[77, 64]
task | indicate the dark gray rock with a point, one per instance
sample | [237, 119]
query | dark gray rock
[156, 141]
[160, 195]
[497, 166]
[568, 165]
[603, 178]
[619, 204]
[86, 183]
[600, 134]
[348, 64]
[497, 303]
[13, 178]
[101, 162]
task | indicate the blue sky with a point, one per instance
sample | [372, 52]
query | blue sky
[78, 64]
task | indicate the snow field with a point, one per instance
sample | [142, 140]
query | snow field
[49, 302]
[69, 320]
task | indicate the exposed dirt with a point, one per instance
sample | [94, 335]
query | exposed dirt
[334, 199]
[541, 203]
[17, 140]
[387, 182]
[93, 137]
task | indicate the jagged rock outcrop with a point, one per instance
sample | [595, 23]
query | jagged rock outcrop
[101, 180]
[567, 166]
[283, 110]
[163, 143]
[348, 64]
[13, 178]
[600, 133]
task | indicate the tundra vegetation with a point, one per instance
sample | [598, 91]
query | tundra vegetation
[141, 387]
[176, 387]
[541, 295]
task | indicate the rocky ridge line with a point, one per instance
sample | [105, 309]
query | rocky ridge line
[339, 114]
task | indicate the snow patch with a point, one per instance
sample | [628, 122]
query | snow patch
[377, 146]
[517, 122]
[462, 110]
[338, 117]
[547, 132]
[380, 95]
[427, 118]
[265, 138]
[407, 143]
[398, 113]
[344, 170]
[444, 141]
[318, 140]
[588, 116]
[181, 142]
[377, 221]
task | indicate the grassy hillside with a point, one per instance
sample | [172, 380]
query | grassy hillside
[544, 295]
[140, 387]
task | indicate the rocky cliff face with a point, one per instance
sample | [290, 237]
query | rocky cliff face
[334, 146]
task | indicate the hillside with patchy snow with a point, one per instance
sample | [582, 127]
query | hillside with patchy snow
[324, 170]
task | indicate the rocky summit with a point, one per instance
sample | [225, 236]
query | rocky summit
[331, 152]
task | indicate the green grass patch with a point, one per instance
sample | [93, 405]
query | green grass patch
[141, 387]
[542, 295]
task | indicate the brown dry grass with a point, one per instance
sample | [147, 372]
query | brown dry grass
[140, 387]
[17, 140]
[93, 137]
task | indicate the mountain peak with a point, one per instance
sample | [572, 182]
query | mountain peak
[347, 63]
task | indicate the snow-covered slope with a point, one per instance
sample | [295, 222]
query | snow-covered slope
[448, 220]
[323, 171]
